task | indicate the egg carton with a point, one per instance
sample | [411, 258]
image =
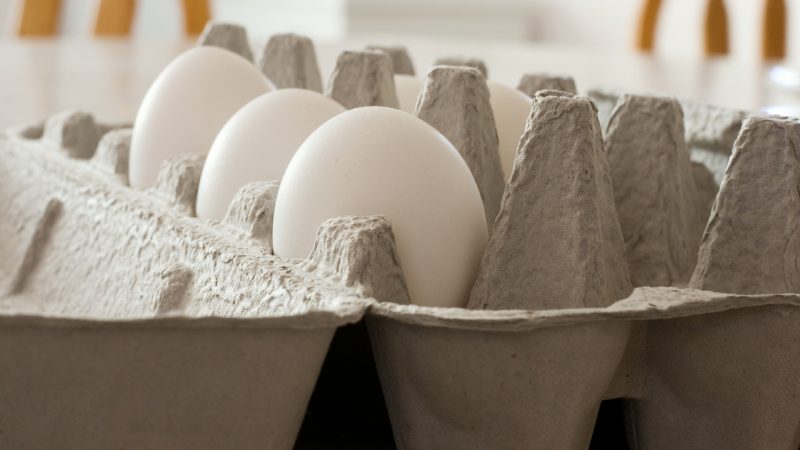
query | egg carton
[710, 130]
[128, 322]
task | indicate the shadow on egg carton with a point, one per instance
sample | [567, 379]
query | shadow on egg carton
[191, 334]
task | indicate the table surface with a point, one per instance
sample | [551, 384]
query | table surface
[109, 78]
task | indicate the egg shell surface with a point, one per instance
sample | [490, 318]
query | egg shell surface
[382, 161]
[257, 143]
[511, 109]
[187, 105]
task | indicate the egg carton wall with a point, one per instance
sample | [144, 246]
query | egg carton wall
[710, 131]
[122, 310]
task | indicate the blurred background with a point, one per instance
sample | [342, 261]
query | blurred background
[734, 53]
[604, 24]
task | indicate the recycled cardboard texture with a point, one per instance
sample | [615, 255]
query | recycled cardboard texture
[93, 219]
[684, 359]
[557, 242]
[101, 386]
[38, 240]
[751, 245]
[455, 101]
[72, 132]
[361, 250]
[401, 61]
[724, 380]
[228, 36]
[531, 83]
[710, 130]
[745, 360]
[710, 133]
[251, 210]
[671, 310]
[456, 60]
[363, 79]
[547, 371]
[542, 391]
[32, 130]
[290, 62]
[178, 180]
[654, 190]
[158, 329]
[112, 153]
[144, 365]
[706, 191]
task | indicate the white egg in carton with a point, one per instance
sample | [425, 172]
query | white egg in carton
[129, 322]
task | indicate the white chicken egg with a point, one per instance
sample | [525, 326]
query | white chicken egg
[408, 88]
[382, 161]
[511, 109]
[187, 104]
[257, 143]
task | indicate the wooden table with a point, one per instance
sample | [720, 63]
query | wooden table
[109, 78]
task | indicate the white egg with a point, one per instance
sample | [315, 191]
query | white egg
[187, 104]
[408, 88]
[511, 109]
[382, 161]
[257, 143]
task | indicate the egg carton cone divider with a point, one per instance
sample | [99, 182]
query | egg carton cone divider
[452, 377]
[121, 310]
[125, 322]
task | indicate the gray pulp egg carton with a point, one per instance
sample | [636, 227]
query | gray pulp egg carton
[127, 322]
[710, 131]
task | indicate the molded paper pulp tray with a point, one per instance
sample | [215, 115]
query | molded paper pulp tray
[178, 382]
[127, 322]
[699, 370]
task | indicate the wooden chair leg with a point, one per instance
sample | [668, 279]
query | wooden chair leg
[773, 42]
[716, 33]
[196, 13]
[39, 18]
[114, 17]
[648, 20]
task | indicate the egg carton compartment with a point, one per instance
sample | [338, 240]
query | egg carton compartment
[160, 329]
[127, 323]
[692, 369]
[468, 378]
